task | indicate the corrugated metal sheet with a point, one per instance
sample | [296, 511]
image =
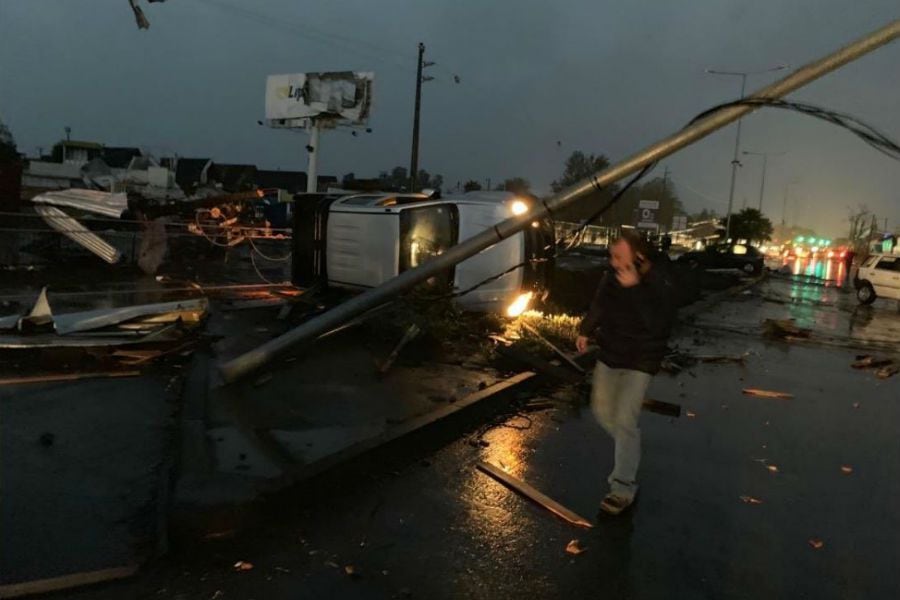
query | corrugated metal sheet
[101, 203]
[78, 233]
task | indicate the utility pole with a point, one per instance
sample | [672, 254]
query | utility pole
[414, 155]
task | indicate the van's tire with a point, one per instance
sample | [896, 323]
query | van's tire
[865, 293]
[751, 269]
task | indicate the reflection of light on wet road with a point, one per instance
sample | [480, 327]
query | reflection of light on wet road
[830, 270]
[495, 514]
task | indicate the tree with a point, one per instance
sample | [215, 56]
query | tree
[8, 151]
[577, 167]
[751, 225]
[471, 186]
[706, 214]
[861, 228]
[517, 185]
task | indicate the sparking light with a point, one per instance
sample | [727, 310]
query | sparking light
[519, 305]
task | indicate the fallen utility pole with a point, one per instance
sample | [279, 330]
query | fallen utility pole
[310, 330]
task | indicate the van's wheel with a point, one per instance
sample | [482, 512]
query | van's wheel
[865, 293]
[750, 269]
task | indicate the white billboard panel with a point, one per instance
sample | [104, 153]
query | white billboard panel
[343, 95]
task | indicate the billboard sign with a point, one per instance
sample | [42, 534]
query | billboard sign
[294, 98]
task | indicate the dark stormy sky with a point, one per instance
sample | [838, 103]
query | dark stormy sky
[595, 75]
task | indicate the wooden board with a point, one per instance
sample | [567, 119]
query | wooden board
[533, 494]
[52, 377]
[43, 586]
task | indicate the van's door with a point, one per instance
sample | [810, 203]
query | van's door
[497, 294]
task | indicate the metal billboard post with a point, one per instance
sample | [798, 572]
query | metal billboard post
[310, 330]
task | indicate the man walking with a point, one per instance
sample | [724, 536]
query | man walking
[630, 319]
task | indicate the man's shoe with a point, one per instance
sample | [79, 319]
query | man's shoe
[614, 504]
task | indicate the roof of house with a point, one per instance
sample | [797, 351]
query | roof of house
[188, 172]
[292, 181]
[119, 157]
[80, 144]
[234, 178]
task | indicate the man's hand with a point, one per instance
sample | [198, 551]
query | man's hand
[628, 276]
[581, 343]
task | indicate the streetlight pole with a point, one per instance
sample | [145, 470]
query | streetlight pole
[762, 185]
[735, 163]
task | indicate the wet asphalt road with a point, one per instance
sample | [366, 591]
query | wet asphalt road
[437, 528]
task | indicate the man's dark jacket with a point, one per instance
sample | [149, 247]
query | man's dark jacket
[632, 325]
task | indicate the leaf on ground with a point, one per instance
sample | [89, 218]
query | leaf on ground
[243, 565]
[750, 500]
[816, 543]
[690, 414]
[574, 547]
[846, 470]
[772, 468]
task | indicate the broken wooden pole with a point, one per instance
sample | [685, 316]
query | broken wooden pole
[519, 486]
[553, 347]
[409, 336]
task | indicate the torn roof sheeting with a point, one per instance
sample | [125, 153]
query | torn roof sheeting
[187, 310]
[78, 233]
[101, 203]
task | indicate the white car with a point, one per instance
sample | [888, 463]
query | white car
[362, 240]
[878, 277]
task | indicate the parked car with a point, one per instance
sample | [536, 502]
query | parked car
[725, 256]
[878, 277]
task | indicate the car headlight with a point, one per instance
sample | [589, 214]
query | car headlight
[518, 207]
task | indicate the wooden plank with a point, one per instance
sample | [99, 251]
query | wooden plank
[517, 485]
[767, 393]
[553, 347]
[63, 582]
[540, 364]
[52, 377]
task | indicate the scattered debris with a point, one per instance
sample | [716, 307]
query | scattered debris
[846, 470]
[722, 359]
[887, 371]
[865, 361]
[663, 408]
[565, 357]
[243, 565]
[531, 493]
[574, 547]
[750, 500]
[54, 377]
[332, 564]
[772, 468]
[351, 571]
[816, 543]
[411, 332]
[767, 393]
[63, 582]
[785, 329]
[690, 414]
